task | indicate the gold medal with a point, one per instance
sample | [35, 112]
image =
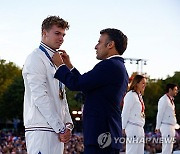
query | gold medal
[142, 114]
[61, 94]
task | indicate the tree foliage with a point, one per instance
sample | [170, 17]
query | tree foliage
[12, 104]
[8, 72]
[73, 101]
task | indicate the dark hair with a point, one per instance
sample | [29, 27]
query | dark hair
[135, 81]
[170, 86]
[118, 37]
[54, 20]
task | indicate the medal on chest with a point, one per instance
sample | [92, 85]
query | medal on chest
[172, 102]
[142, 106]
[61, 91]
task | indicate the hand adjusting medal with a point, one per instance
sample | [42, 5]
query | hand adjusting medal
[61, 91]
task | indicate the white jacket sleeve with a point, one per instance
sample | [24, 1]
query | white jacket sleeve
[67, 114]
[161, 109]
[37, 80]
[127, 107]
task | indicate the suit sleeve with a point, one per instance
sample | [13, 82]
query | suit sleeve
[95, 78]
[36, 77]
[75, 71]
[127, 107]
[161, 109]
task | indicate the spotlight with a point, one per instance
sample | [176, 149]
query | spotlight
[74, 112]
[77, 119]
[79, 112]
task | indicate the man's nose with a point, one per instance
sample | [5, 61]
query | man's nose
[95, 47]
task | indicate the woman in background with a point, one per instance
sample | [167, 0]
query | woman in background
[133, 117]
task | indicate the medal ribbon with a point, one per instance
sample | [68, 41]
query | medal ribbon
[46, 53]
[142, 103]
[171, 100]
[49, 57]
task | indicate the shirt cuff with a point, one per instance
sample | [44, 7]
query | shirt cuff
[69, 126]
[62, 131]
[72, 68]
[60, 66]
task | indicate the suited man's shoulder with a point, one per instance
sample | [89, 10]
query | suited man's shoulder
[115, 61]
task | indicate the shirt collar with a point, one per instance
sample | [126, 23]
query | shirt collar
[113, 56]
[171, 97]
[48, 49]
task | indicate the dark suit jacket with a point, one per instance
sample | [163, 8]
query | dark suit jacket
[104, 86]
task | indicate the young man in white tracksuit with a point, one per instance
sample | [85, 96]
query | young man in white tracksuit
[47, 120]
[166, 119]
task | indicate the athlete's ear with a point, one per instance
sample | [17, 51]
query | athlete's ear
[44, 32]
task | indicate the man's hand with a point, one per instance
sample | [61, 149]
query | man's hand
[65, 137]
[57, 59]
[66, 58]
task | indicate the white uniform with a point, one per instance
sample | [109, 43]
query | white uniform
[45, 114]
[133, 122]
[166, 121]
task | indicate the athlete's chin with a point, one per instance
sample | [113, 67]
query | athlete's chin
[57, 47]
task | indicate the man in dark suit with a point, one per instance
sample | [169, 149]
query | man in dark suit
[104, 87]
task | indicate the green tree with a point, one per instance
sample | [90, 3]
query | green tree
[74, 104]
[7, 73]
[151, 96]
[12, 104]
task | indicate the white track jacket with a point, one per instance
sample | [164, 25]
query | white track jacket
[43, 109]
[166, 112]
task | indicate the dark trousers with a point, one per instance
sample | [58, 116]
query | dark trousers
[93, 149]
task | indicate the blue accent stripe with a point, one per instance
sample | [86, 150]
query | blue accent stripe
[49, 57]
[38, 127]
[46, 53]
[39, 130]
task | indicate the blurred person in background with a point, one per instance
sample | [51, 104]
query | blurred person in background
[166, 122]
[133, 116]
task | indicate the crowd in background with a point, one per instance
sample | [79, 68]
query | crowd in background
[14, 143]
[152, 147]
[10, 143]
